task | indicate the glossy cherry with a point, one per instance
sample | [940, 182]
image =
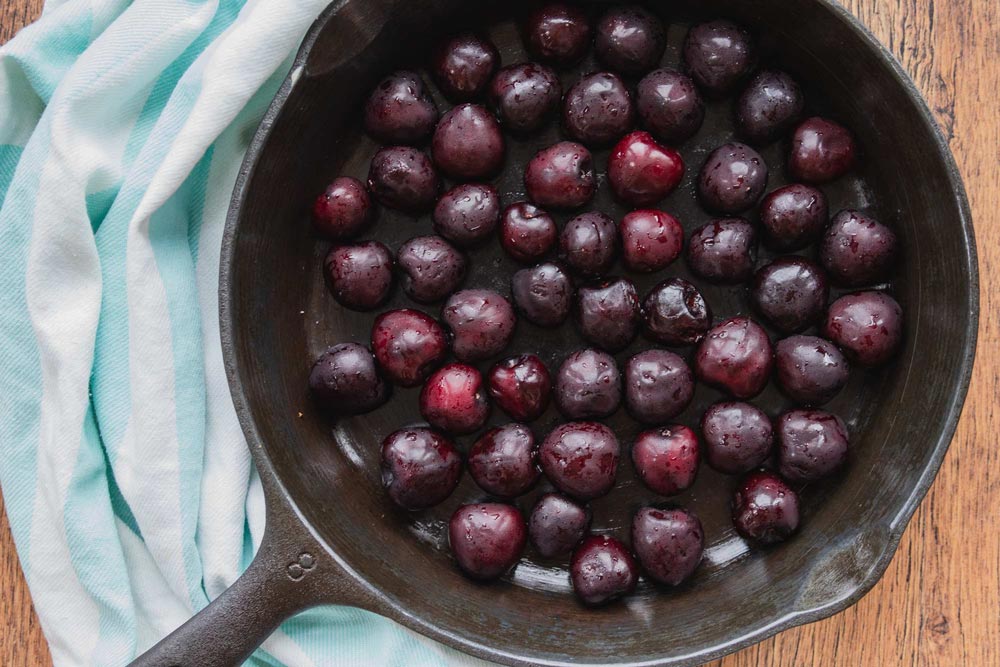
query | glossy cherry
[561, 176]
[360, 276]
[765, 508]
[607, 313]
[669, 543]
[487, 539]
[769, 106]
[527, 232]
[521, 386]
[738, 437]
[857, 249]
[557, 524]
[736, 357]
[403, 178]
[525, 96]
[588, 385]
[400, 110]
[822, 151]
[468, 144]
[430, 268]
[467, 214]
[344, 380]
[343, 210]
[732, 179]
[642, 171]
[463, 65]
[669, 105]
[867, 326]
[794, 216]
[408, 345]
[543, 294]
[589, 243]
[658, 386]
[718, 55]
[481, 321]
[812, 444]
[666, 459]
[557, 33]
[630, 40]
[420, 467]
[453, 399]
[790, 293]
[504, 461]
[581, 459]
[810, 370]
[597, 109]
[602, 570]
[651, 240]
[676, 313]
[723, 250]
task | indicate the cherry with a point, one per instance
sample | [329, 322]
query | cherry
[343, 210]
[504, 461]
[487, 539]
[602, 570]
[453, 399]
[581, 459]
[420, 467]
[408, 345]
[667, 459]
[345, 381]
[642, 171]
[561, 176]
[557, 524]
[521, 386]
[668, 543]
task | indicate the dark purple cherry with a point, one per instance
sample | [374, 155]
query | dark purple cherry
[403, 178]
[481, 321]
[810, 370]
[658, 386]
[557, 33]
[487, 539]
[812, 444]
[668, 543]
[408, 345]
[468, 144]
[543, 294]
[345, 381]
[867, 326]
[400, 110]
[723, 250]
[736, 357]
[589, 243]
[667, 458]
[561, 176]
[525, 96]
[793, 216]
[463, 66]
[790, 293]
[669, 105]
[453, 399]
[360, 276]
[822, 151]
[467, 214]
[597, 109]
[857, 249]
[642, 171]
[651, 240]
[733, 178]
[420, 467]
[521, 386]
[581, 459]
[504, 461]
[343, 210]
[718, 56]
[607, 313]
[676, 313]
[602, 570]
[765, 508]
[630, 40]
[430, 268]
[557, 524]
[588, 385]
[738, 437]
[770, 104]
[527, 232]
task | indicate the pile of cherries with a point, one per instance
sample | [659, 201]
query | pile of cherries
[421, 465]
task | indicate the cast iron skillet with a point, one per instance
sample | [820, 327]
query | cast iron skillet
[331, 535]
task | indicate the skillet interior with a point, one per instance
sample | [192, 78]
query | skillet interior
[901, 419]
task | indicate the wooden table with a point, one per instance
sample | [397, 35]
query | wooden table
[939, 601]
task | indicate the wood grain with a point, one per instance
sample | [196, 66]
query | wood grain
[939, 602]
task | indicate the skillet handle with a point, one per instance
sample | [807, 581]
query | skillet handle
[285, 577]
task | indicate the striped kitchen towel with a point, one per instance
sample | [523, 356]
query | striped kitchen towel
[129, 488]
